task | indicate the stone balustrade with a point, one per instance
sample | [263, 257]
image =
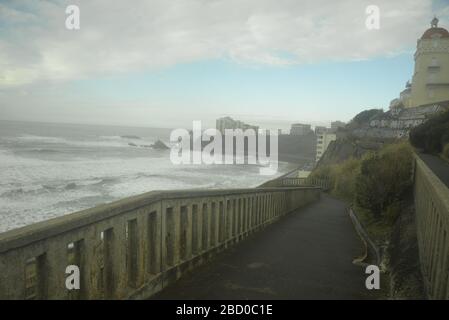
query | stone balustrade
[132, 248]
[432, 219]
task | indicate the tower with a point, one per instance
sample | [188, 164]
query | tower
[430, 82]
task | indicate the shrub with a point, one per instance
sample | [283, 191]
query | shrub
[377, 182]
[446, 151]
[432, 135]
[384, 178]
[392, 212]
[365, 116]
[324, 172]
[345, 176]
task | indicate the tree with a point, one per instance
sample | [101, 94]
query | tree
[365, 116]
[432, 135]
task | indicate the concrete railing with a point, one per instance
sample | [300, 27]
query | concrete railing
[135, 247]
[432, 219]
[324, 184]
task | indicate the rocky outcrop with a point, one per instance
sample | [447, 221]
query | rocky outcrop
[159, 145]
[343, 149]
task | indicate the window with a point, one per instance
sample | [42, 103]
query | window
[434, 62]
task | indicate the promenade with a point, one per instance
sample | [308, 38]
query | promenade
[306, 255]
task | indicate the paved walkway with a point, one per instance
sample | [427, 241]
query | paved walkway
[305, 255]
[438, 166]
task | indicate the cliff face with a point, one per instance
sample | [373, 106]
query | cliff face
[300, 150]
[370, 129]
[346, 148]
[297, 149]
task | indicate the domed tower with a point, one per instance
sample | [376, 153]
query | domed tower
[430, 82]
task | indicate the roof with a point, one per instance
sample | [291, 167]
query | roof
[435, 32]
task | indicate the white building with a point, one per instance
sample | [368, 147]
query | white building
[300, 129]
[324, 138]
[337, 124]
[320, 129]
[430, 83]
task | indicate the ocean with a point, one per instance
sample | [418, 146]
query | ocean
[48, 170]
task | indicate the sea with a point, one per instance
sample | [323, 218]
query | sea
[49, 170]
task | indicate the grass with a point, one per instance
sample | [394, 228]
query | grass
[378, 229]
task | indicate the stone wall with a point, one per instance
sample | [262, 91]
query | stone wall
[132, 248]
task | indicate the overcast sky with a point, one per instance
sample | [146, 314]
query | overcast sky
[165, 63]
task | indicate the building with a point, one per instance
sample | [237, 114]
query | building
[406, 95]
[300, 129]
[323, 140]
[427, 93]
[337, 124]
[229, 123]
[430, 82]
[320, 129]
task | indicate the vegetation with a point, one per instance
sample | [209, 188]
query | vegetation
[378, 186]
[345, 178]
[445, 153]
[433, 135]
[384, 178]
[377, 182]
[365, 116]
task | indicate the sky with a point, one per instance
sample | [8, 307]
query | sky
[165, 63]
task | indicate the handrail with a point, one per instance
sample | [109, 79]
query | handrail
[432, 220]
[134, 247]
[51, 227]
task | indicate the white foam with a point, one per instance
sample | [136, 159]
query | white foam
[95, 180]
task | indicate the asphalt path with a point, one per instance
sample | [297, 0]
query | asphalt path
[307, 254]
[438, 166]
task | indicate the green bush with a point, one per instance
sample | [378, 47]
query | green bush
[392, 212]
[344, 177]
[324, 172]
[384, 178]
[377, 182]
[432, 135]
[446, 151]
[365, 116]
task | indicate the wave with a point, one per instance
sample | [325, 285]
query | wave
[29, 190]
[102, 141]
[45, 151]
[130, 137]
[125, 141]
[38, 189]
[47, 139]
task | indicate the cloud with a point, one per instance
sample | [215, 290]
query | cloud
[126, 36]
